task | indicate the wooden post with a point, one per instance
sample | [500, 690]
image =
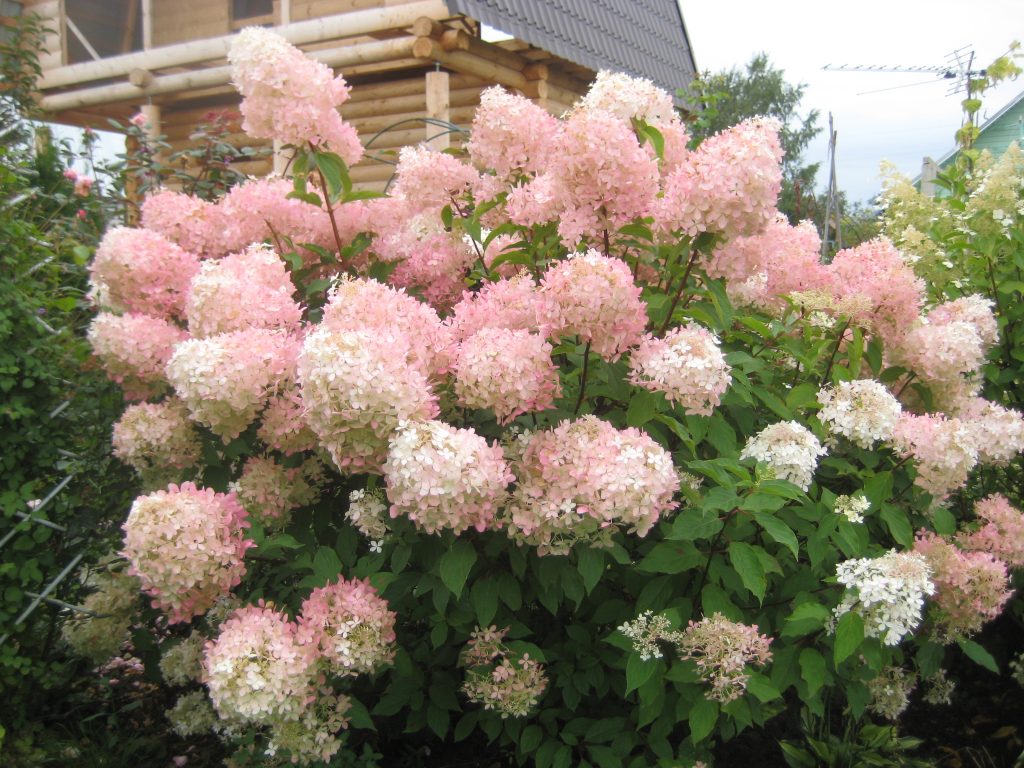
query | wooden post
[438, 107]
[281, 158]
[929, 171]
[152, 114]
[147, 24]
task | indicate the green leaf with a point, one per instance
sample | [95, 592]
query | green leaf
[590, 564]
[530, 739]
[779, 532]
[945, 522]
[642, 408]
[878, 489]
[326, 563]
[762, 687]
[694, 523]
[978, 655]
[805, 619]
[456, 564]
[670, 557]
[358, 716]
[849, 636]
[466, 724]
[812, 669]
[484, 597]
[335, 173]
[896, 521]
[748, 565]
[638, 671]
[702, 718]
[438, 720]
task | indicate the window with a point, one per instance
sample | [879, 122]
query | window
[104, 27]
[252, 11]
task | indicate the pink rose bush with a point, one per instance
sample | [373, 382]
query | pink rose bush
[576, 376]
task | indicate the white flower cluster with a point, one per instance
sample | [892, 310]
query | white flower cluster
[646, 630]
[368, 513]
[192, 715]
[789, 449]
[940, 689]
[852, 507]
[629, 97]
[182, 663]
[887, 591]
[890, 692]
[862, 411]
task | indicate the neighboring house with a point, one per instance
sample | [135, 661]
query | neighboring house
[405, 59]
[996, 134]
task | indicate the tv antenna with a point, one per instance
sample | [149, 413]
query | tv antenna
[958, 69]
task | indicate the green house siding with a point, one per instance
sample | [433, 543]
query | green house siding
[997, 133]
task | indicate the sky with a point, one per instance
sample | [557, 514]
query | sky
[902, 123]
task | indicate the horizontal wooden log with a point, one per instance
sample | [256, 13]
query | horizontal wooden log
[371, 125]
[353, 55]
[297, 33]
[375, 172]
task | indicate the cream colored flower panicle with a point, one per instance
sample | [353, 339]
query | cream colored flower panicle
[862, 411]
[789, 449]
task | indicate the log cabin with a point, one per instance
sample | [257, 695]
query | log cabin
[406, 59]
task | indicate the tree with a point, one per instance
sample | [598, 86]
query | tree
[728, 97]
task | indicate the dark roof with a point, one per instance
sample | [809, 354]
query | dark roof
[644, 38]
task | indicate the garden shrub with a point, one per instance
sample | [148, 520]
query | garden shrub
[568, 452]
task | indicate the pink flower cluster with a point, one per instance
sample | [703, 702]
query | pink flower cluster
[722, 650]
[971, 588]
[511, 134]
[687, 365]
[367, 305]
[593, 297]
[191, 222]
[245, 290]
[258, 670]
[134, 350]
[443, 477]
[187, 546]
[269, 491]
[1001, 532]
[427, 258]
[513, 303]
[600, 180]
[499, 678]
[507, 371]
[142, 271]
[429, 180]
[728, 185]
[349, 625]
[283, 424]
[357, 387]
[288, 96]
[576, 482]
[226, 380]
[877, 273]
[943, 449]
[153, 437]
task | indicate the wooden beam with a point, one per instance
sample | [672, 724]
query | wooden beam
[353, 55]
[147, 24]
[438, 108]
[297, 33]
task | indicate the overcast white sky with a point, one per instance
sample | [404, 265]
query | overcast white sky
[902, 124]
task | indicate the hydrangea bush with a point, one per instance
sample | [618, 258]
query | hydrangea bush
[582, 387]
